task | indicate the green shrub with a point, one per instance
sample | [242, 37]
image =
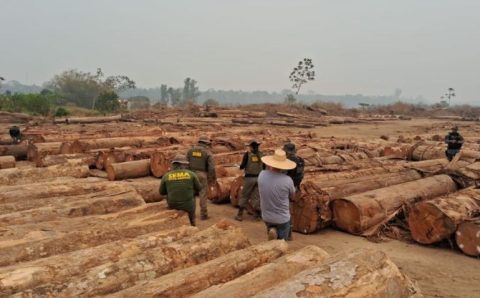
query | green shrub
[61, 112]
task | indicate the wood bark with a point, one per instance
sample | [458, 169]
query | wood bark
[201, 247]
[18, 150]
[7, 162]
[467, 237]
[59, 269]
[129, 169]
[159, 164]
[365, 213]
[236, 190]
[40, 240]
[83, 120]
[361, 273]
[268, 275]
[32, 175]
[147, 187]
[184, 283]
[77, 159]
[220, 191]
[114, 199]
[83, 145]
[421, 151]
[113, 155]
[434, 220]
[312, 210]
[39, 150]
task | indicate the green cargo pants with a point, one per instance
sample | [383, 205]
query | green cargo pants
[250, 192]
[203, 195]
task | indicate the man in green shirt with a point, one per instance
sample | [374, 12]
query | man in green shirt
[180, 185]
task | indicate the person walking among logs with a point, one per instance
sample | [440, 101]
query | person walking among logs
[180, 185]
[252, 165]
[297, 173]
[276, 191]
[201, 162]
[454, 141]
[15, 134]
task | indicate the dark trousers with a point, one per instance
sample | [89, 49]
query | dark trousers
[450, 153]
[191, 214]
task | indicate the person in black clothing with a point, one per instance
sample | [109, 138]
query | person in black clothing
[454, 141]
[252, 165]
[297, 173]
[15, 134]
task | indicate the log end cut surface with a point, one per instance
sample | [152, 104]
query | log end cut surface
[347, 216]
[468, 238]
[428, 224]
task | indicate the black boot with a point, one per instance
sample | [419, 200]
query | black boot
[239, 216]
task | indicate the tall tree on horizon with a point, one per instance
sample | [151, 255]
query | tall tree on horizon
[302, 73]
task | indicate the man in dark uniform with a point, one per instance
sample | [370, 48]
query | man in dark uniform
[15, 134]
[297, 173]
[252, 165]
[454, 141]
[201, 162]
[180, 186]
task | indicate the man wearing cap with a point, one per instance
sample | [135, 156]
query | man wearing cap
[202, 163]
[15, 134]
[454, 141]
[180, 186]
[297, 173]
[276, 191]
[252, 165]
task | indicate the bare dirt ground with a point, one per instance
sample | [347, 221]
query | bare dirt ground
[439, 272]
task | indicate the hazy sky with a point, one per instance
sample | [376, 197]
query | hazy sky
[368, 46]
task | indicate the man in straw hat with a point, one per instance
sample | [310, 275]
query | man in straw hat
[180, 186]
[454, 141]
[276, 190]
[252, 165]
[201, 162]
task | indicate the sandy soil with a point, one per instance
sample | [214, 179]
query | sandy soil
[439, 272]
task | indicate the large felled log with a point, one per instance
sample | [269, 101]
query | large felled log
[58, 269]
[189, 281]
[220, 191]
[147, 187]
[83, 145]
[159, 164]
[78, 159]
[112, 200]
[268, 275]
[201, 247]
[236, 187]
[467, 237]
[18, 150]
[32, 175]
[434, 220]
[422, 151]
[365, 213]
[362, 273]
[79, 233]
[39, 150]
[98, 119]
[106, 157]
[312, 210]
[129, 169]
[7, 162]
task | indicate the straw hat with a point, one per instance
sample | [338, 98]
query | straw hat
[181, 159]
[279, 161]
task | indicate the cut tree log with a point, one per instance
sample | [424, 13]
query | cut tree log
[83, 145]
[129, 169]
[268, 275]
[18, 150]
[39, 150]
[147, 187]
[361, 273]
[467, 237]
[184, 283]
[60, 268]
[421, 151]
[236, 190]
[220, 192]
[50, 238]
[159, 164]
[312, 210]
[367, 212]
[7, 162]
[201, 247]
[32, 175]
[114, 199]
[83, 120]
[77, 159]
[434, 220]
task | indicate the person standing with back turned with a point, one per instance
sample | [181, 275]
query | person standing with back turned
[276, 191]
[202, 163]
[454, 141]
[252, 165]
